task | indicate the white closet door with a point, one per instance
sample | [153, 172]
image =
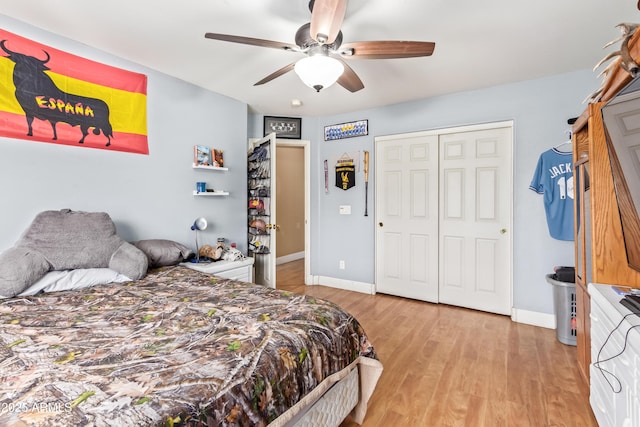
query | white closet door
[406, 211]
[475, 219]
[443, 216]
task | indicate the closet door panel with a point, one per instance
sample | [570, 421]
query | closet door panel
[475, 198]
[407, 217]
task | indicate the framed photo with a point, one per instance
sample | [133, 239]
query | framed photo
[284, 127]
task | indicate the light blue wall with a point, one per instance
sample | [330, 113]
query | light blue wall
[539, 109]
[150, 196]
[146, 196]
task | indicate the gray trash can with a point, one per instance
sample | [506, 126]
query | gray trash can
[564, 303]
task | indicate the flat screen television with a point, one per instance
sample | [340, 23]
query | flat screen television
[621, 116]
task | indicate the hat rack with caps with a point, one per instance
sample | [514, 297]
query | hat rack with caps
[259, 209]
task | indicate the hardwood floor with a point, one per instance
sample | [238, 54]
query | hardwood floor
[449, 366]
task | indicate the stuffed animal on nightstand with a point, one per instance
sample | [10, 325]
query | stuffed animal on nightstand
[211, 252]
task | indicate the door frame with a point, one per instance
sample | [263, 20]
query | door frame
[306, 145]
[458, 129]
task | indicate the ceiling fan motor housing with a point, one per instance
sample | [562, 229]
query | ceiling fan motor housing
[305, 41]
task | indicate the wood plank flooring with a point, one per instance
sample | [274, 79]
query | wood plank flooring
[450, 366]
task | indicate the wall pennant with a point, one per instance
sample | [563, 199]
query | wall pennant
[345, 173]
[52, 96]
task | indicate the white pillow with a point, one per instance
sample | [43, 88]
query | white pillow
[79, 278]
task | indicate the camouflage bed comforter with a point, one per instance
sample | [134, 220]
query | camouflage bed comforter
[178, 347]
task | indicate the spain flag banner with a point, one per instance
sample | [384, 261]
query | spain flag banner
[53, 96]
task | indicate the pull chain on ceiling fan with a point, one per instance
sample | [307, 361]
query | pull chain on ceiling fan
[321, 41]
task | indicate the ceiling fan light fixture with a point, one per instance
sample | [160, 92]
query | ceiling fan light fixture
[319, 71]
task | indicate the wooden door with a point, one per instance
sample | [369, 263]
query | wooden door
[305, 146]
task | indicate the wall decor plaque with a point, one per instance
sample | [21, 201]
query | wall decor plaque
[284, 127]
[346, 130]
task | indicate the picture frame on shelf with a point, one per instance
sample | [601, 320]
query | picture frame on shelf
[284, 127]
[218, 157]
[201, 155]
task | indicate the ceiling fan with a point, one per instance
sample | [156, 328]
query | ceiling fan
[321, 41]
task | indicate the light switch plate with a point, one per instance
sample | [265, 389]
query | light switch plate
[345, 210]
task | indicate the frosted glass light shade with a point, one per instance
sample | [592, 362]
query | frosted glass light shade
[319, 71]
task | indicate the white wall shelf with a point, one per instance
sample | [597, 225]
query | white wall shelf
[211, 168]
[210, 193]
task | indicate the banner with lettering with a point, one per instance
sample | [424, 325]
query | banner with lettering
[53, 96]
[345, 173]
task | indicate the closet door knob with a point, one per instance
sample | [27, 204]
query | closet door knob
[503, 231]
[381, 224]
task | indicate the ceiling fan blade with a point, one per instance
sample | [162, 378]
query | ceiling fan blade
[276, 74]
[326, 19]
[349, 79]
[251, 41]
[386, 49]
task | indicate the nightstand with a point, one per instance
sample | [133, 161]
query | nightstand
[241, 270]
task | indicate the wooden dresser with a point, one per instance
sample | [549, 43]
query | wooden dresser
[599, 246]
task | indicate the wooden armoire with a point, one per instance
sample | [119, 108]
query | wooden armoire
[599, 246]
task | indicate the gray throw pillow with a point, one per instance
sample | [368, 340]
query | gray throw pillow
[20, 267]
[161, 252]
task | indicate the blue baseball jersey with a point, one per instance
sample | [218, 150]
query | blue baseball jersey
[553, 179]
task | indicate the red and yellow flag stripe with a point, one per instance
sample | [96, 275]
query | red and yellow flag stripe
[124, 92]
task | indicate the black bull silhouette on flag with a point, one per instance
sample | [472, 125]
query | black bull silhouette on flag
[40, 98]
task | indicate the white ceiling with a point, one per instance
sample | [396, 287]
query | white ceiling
[478, 43]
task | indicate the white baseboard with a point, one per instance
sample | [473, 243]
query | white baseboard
[534, 318]
[544, 320]
[288, 258]
[348, 285]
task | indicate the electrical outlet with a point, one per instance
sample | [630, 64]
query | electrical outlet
[341, 264]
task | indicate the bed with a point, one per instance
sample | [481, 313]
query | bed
[181, 347]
